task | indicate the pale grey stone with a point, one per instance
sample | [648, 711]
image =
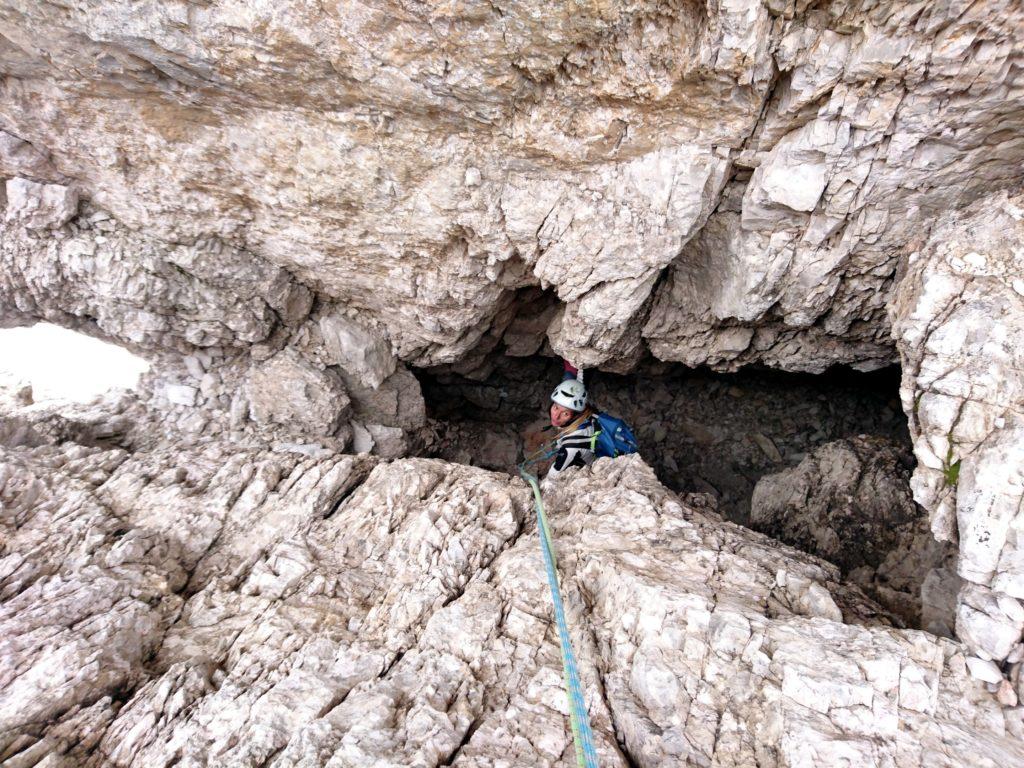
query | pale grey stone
[388, 442]
[40, 206]
[957, 319]
[720, 184]
[396, 613]
[291, 394]
[364, 355]
[362, 441]
[181, 394]
[850, 502]
[986, 671]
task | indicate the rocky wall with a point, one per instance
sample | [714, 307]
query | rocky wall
[258, 608]
[957, 318]
[420, 163]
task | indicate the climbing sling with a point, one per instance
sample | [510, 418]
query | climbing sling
[583, 738]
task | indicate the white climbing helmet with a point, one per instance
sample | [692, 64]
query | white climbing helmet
[571, 394]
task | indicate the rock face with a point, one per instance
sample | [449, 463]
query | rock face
[958, 318]
[216, 605]
[850, 503]
[420, 165]
[285, 206]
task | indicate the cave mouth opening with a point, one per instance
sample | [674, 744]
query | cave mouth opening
[44, 363]
[700, 430]
[821, 462]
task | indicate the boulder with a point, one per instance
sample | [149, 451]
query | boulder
[364, 355]
[40, 206]
[396, 402]
[291, 394]
[850, 502]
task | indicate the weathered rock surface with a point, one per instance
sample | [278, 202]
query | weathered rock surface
[40, 206]
[253, 607]
[859, 149]
[958, 318]
[98, 276]
[420, 164]
[291, 394]
[226, 186]
[365, 355]
[850, 503]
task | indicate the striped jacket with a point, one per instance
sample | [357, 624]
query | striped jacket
[574, 448]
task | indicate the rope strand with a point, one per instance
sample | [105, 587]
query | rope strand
[583, 737]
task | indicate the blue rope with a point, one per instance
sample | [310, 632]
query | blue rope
[583, 737]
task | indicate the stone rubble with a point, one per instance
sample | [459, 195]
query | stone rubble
[849, 502]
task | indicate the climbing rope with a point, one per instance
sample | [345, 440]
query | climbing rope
[583, 737]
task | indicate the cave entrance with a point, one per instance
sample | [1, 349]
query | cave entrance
[701, 431]
[830, 456]
[45, 362]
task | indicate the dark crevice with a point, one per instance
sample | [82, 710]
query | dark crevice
[718, 436]
[387, 670]
[270, 758]
[346, 493]
[616, 729]
[336, 701]
[466, 738]
[702, 431]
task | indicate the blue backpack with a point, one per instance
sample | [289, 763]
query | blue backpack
[614, 438]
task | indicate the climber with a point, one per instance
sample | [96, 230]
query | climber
[582, 433]
[577, 429]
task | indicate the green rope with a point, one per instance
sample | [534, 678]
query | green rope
[583, 737]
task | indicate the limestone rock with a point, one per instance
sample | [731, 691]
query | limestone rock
[482, 444]
[983, 624]
[545, 145]
[397, 402]
[329, 611]
[850, 502]
[718, 183]
[958, 318]
[985, 671]
[388, 442]
[795, 266]
[289, 392]
[19, 158]
[40, 206]
[151, 296]
[363, 355]
[362, 440]
[14, 392]
[182, 394]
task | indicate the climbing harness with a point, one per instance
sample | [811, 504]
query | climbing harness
[583, 737]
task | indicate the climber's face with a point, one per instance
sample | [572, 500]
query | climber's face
[560, 415]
